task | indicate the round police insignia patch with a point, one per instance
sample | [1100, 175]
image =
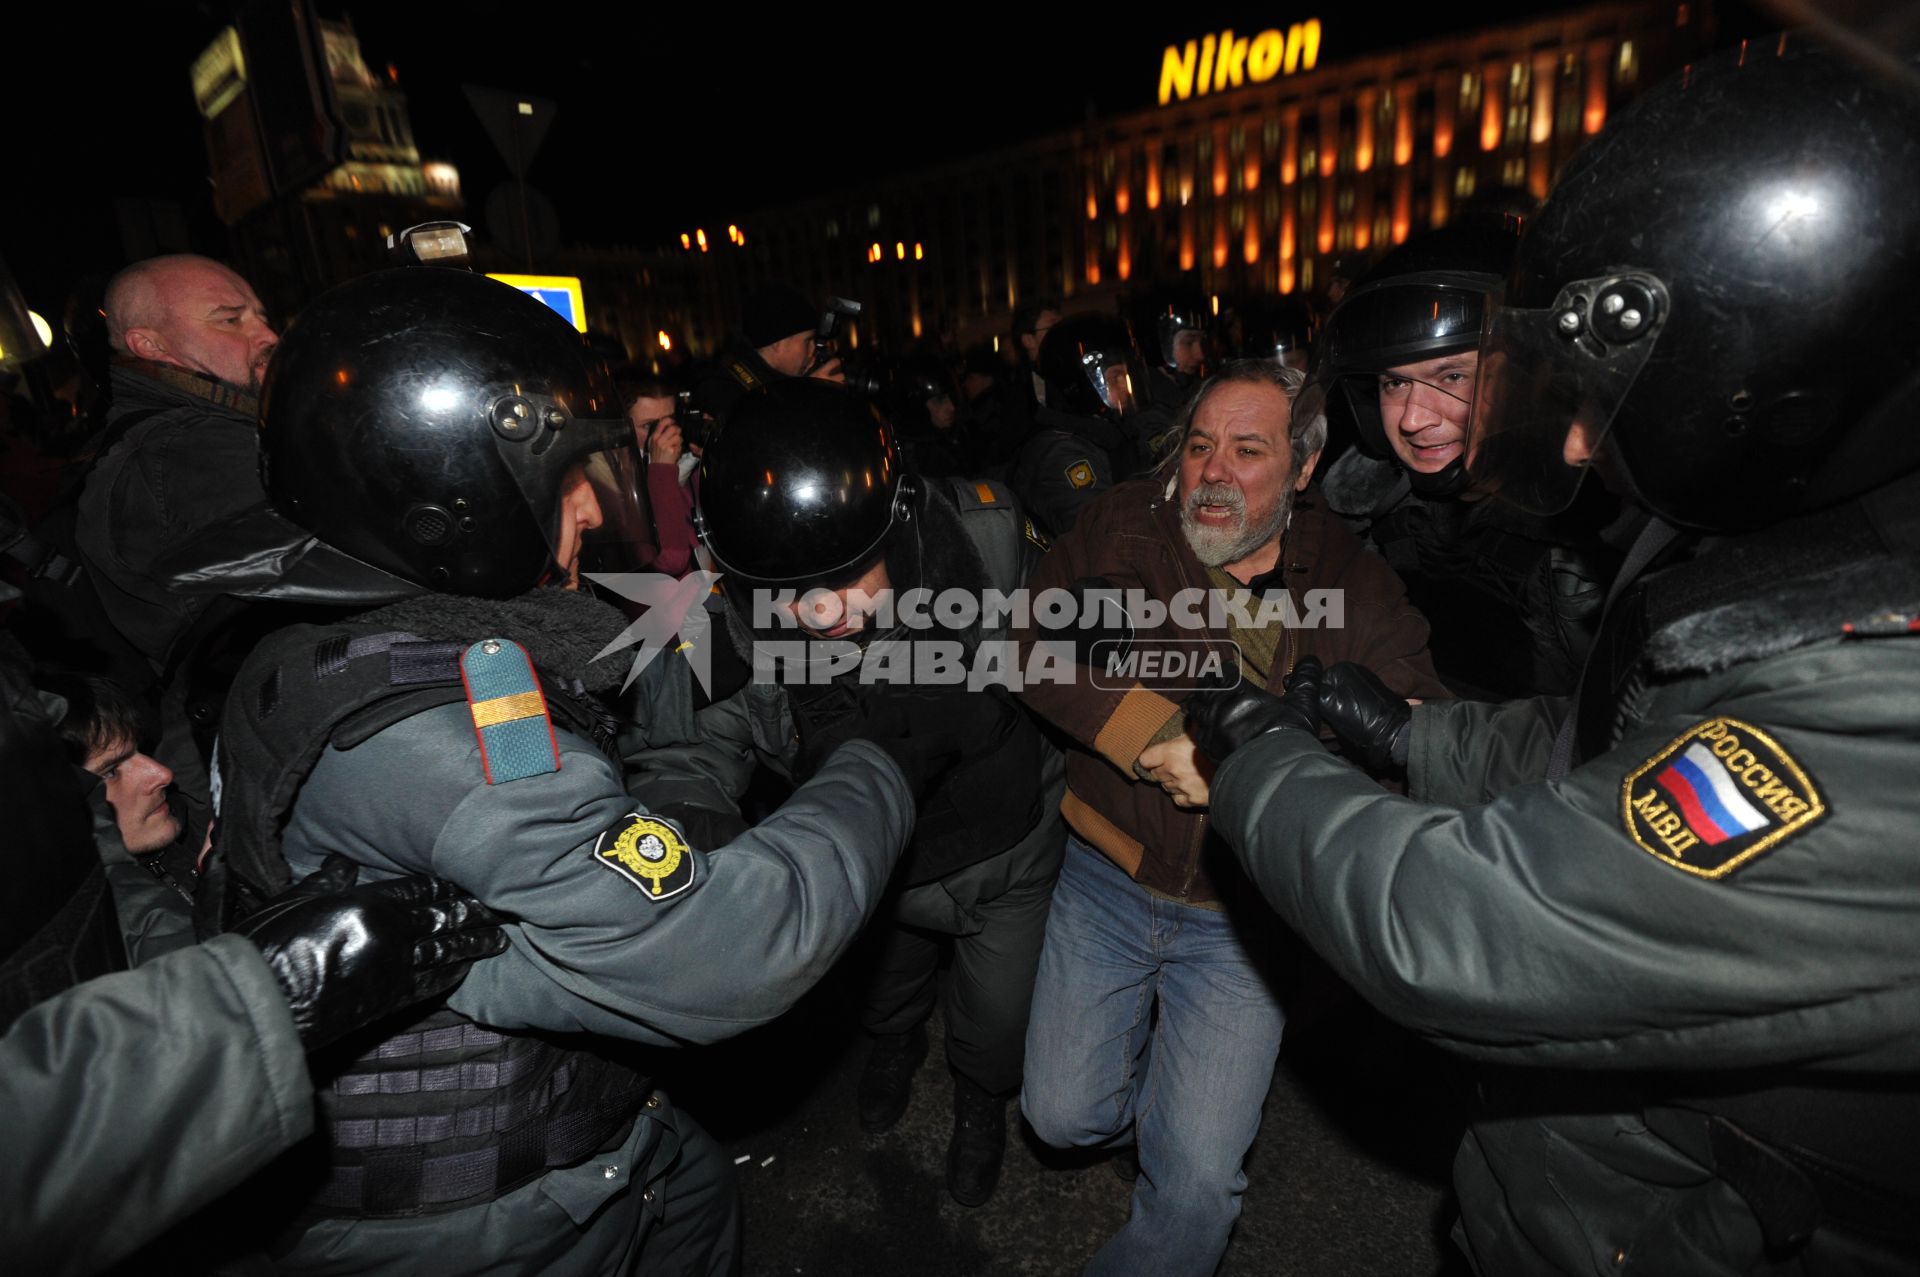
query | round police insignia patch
[649, 853]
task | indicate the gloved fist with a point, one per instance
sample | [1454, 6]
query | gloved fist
[346, 956]
[1221, 720]
[1366, 714]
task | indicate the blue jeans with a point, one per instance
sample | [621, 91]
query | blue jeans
[1186, 1089]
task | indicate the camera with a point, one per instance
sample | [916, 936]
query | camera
[696, 424]
[826, 345]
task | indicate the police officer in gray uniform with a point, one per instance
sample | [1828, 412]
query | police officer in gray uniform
[454, 432]
[1678, 915]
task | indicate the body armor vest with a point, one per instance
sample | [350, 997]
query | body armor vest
[444, 1113]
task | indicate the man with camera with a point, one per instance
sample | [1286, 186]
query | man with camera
[781, 335]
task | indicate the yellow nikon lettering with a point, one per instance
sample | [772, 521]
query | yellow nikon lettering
[1176, 72]
[1227, 61]
[1233, 57]
[1264, 56]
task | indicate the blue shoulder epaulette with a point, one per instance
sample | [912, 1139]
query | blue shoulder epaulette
[509, 710]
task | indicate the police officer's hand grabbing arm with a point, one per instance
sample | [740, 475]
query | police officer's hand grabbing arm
[133, 1100]
[346, 956]
[1221, 720]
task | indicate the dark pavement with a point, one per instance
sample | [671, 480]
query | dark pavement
[1348, 1175]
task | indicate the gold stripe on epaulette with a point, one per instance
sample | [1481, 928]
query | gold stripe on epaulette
[507, 709]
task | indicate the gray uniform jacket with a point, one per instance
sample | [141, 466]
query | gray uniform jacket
[131, 1101]
[1730, 886]
[591, 950]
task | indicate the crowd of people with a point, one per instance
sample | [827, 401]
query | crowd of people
[1554, 589]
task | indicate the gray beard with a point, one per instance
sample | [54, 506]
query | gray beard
[1217, 547]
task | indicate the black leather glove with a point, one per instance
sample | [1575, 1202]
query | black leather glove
[1221, 720]
[347, 956]
[1366, 714]
[1101, 630]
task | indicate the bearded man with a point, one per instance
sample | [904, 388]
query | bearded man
[1231, 560]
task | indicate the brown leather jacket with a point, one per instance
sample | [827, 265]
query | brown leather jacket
[1131, 537]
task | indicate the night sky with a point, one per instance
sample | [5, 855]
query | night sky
[667, 119]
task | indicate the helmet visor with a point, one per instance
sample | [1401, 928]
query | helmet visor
[599, 520]
[1112, 379]
[1399, 323]
[1551, 383]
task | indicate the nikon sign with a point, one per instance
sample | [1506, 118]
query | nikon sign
[1227, 61]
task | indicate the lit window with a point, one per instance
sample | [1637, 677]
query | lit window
[1469, 90]
[1463, 182]
[1627, 67]
[1310, 161]
[1345, 203]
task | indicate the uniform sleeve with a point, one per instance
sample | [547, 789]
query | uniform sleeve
[701, 778]
[133, 1100]
[751, 926]
[1061, 480]
[1538, 928]
[1468, 752]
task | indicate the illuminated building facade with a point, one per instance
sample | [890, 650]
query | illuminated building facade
[1254, 188]
[334, 227]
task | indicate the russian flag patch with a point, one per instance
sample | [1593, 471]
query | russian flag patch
[1722, 794]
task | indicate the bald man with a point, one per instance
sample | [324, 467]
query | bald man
[174, 524]
[193, 314]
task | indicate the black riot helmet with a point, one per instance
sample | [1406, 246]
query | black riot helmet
[1090, 368]
[451, 430]
[1719, 294]
[801, 485]
[1172, 317]
[1281, 328]
[1425, 300]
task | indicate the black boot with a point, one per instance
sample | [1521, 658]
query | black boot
[979, 1143]
[887, 1083]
